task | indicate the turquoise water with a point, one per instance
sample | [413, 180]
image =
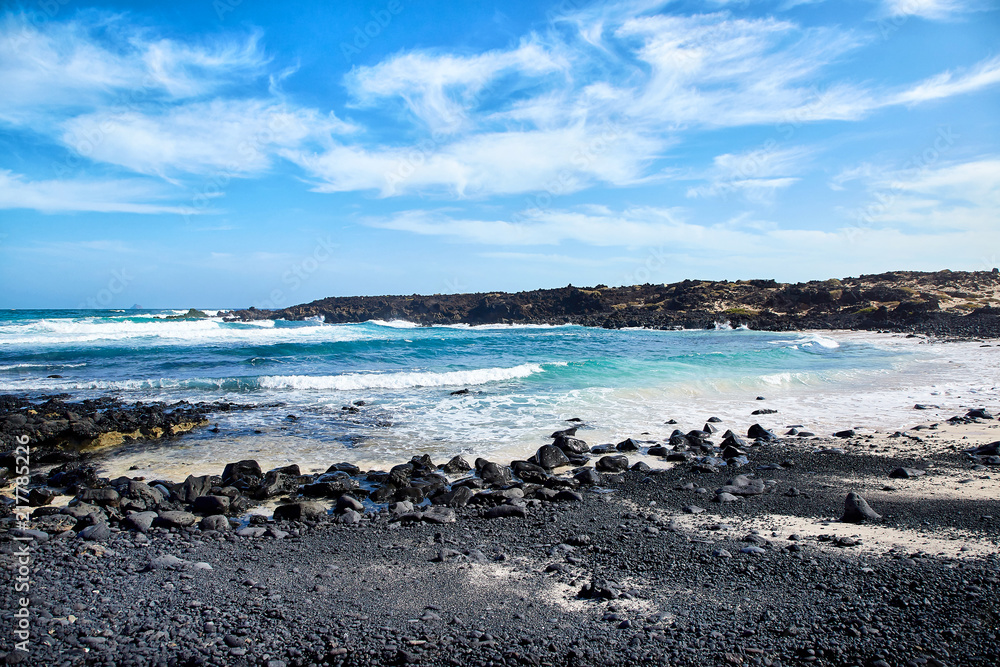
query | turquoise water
[523, 381]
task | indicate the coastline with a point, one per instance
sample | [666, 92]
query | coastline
[633, 568]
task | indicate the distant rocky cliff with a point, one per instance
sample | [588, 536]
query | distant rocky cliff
[943, 303]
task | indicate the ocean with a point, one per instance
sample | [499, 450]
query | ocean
[524, 382]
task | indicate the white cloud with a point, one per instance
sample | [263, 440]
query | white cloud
[928, 9]
[961, 196]
[756, 175]
[557, 161]
[235, 137]
[108, 196]
[442, 90]
[66, 67]
[949, 84]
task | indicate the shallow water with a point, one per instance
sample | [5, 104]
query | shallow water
[524, 381]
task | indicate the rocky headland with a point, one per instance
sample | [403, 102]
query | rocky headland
[943, 303]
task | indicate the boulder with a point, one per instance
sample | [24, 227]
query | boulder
[215, 522]
[495, 474]
[172, 519]
[192, 487]
[571, 445]
[505, 511]
[456, 466]
[857, 510]
[243, 475]
[550, 456]
[612, 463]
[906, 473]
[758, 432]
[208, 505]
[139, 521]
[299, 511]
[628, 445]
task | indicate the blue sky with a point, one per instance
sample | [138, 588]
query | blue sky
[226, 153]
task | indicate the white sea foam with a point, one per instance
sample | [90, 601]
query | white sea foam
[54, 332]
[357, 381]
[394, 324]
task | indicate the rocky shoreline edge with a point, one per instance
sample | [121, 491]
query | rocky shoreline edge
[945, 304]
[542, 561]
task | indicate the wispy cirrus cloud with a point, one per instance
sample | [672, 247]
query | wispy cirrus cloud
[931, 9]
[84, 195]
[755, 175]
[64, 68]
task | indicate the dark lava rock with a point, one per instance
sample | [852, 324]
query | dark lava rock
[495, 474]
[216, 522]
[906, 473]
[299, 511]
[456, 465]
[856, 510]
[173, 519]
[627, 445]
[504, 511]
[588, 476]
[211, 505]
[758, 432]
[550, 456]
[571, 445]
[617, 463]
[242, 474]
[849, 433]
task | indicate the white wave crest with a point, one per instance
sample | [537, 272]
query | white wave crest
[394, 324]
[357, 381]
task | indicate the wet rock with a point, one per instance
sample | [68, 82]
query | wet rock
[495, 474]
[617, 463]
[571, 445]
[628, 445]
[848, 433]
[459, 496]
[344, 467]
[550, 456]
[758, 432]
[456, 466]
